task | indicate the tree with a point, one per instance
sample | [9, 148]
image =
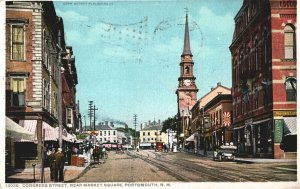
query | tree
[169, 123]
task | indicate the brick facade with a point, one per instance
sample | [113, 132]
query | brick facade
[263, 61]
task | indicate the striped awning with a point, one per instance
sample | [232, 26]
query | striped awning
[290, 125]
[51, 133]
[30, 125]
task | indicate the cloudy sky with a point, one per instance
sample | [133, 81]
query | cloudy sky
[128, 53]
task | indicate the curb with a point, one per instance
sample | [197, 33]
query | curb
[80, 174]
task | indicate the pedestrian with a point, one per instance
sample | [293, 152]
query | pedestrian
[59, 165]
[52, 164]
[104, 153]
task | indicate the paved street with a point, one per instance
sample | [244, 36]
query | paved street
[148, 165]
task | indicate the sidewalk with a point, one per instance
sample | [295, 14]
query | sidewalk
[27, 176]
[209, 154]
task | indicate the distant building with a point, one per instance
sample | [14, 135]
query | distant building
[151, 133]
[264, 77]
[107, 133]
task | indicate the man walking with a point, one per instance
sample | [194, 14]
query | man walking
[59, 165]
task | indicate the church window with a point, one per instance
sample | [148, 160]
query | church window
[289, 42]
[187, 70]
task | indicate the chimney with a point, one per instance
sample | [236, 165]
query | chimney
[149, 122]
[112, 124]
[106, 122]
[158, 121]
[141, 126]
[219, 83]
[126, 126]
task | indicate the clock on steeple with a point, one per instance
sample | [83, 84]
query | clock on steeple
[187, 89]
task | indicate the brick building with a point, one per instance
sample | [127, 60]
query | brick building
[264, 76]
[32, 77]
[202, 125]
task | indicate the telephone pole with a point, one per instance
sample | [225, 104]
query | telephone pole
[135, 123]
[94, 109]
[90, 113]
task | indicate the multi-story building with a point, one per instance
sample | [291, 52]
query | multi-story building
[151, 133]
[200, 120]
[107, 133]
[32, 74]
[264, 76]
[187, 89]
[69, 82]
[218, 130]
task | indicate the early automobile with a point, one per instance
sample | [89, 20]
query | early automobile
[225, 152]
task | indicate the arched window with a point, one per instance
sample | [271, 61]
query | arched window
[256, 55]
[291, 89]
[187, 70]
[289, 42]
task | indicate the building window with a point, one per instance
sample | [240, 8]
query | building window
[148, 133]
[155, 133]
[104, 134]
[143, 133]
[114, 132]
[18, 91]
[100, 133]
[69, 116]
[108, 133]
[46, 94]
[256, 98]
[104, 139]
[148, 139]
[151, 138]
[144, 140]
[256, 55]
[291, 89]
[289, 42]
[17, 42]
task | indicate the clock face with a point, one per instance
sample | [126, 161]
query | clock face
[187, 82]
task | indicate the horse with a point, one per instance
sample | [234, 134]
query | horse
[96, 154]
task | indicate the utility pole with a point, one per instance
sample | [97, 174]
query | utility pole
[94, 109]
[90, 113]
[135, 123]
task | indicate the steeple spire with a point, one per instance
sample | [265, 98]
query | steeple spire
[186, 47]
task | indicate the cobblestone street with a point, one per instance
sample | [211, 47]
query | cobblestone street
[148, 165]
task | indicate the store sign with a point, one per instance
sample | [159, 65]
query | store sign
[226, 119]
[278, 129]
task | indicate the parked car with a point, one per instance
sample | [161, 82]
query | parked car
[225, 152]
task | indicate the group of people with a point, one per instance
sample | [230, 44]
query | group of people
[56, 160]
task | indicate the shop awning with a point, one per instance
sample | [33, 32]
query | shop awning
[13, 130]
[30, 125]
[191, 138]
[290, 125]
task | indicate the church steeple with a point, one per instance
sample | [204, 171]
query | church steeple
[186, 45]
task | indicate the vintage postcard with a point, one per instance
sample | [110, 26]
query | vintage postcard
[149, 94]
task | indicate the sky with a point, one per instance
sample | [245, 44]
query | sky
[128, 53]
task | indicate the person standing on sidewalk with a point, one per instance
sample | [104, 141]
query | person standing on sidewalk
[52, 164]
[59, 165]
